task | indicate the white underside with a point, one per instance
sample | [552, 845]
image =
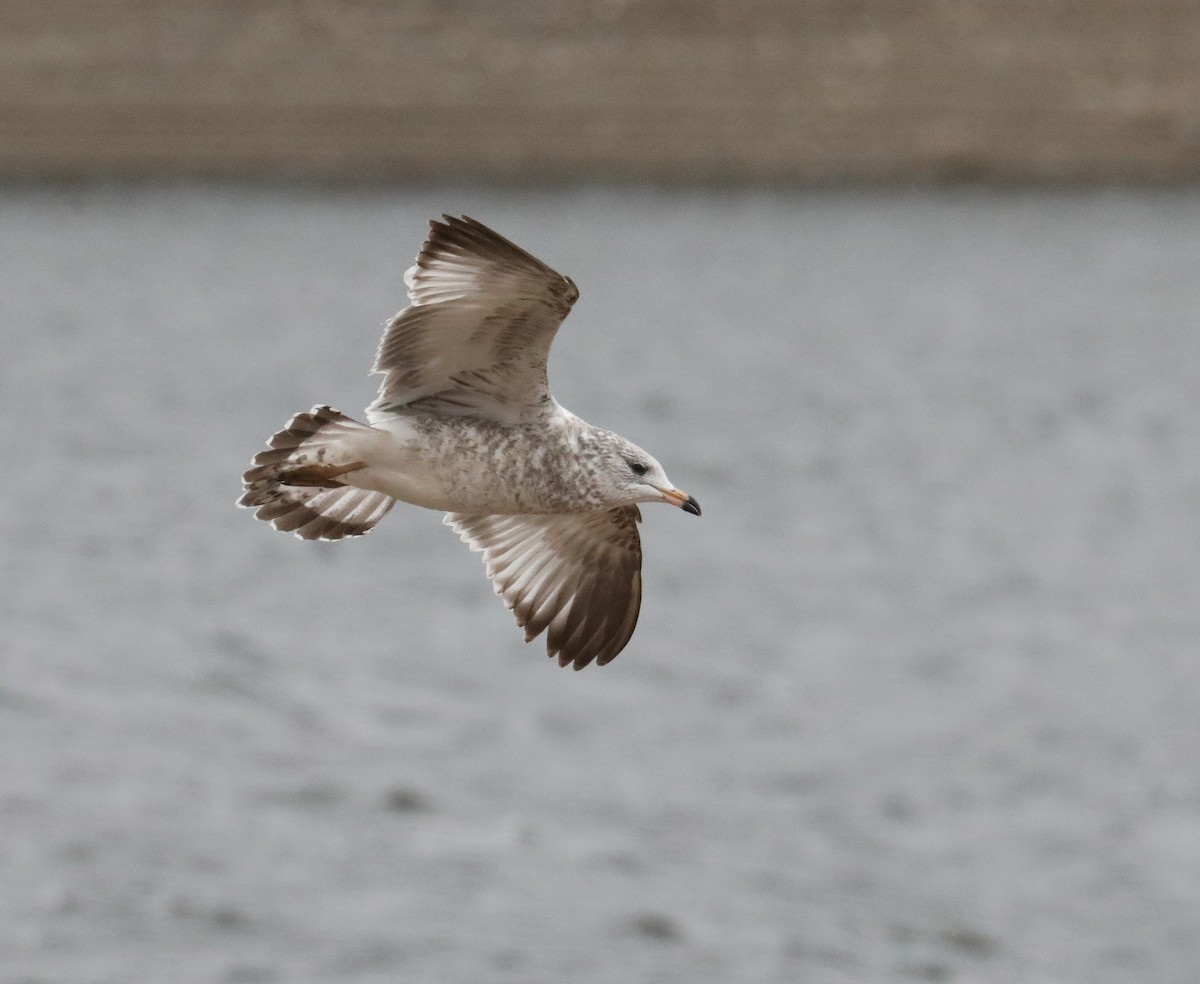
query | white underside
[399, 465]
[406, 464]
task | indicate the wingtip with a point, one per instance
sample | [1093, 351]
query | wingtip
[448, 221]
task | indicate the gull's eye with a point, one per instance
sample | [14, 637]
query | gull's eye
[637, 468]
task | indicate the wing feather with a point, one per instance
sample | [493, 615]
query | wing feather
[577, 577]
[476, 337]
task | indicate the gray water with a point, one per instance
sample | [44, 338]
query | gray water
[917, 699]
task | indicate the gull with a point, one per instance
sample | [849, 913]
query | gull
[464, 423]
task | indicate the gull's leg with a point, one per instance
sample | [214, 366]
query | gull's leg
[319, 476]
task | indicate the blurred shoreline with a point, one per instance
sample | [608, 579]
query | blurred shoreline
[604, 90]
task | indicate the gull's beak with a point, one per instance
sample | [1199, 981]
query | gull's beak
[677, 497]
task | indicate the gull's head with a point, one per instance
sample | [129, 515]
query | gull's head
[631, 476]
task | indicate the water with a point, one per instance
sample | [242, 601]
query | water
[915, 700]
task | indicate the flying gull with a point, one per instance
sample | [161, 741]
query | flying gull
[465, 423]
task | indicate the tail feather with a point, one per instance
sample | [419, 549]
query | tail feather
[295, 484]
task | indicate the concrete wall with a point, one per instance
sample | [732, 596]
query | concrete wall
[666, 90]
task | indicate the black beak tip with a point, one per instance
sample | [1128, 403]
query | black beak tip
[691, 506]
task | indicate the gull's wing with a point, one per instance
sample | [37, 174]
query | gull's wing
[477, 335]
[578, 575]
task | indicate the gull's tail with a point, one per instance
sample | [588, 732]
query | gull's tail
[296, 485]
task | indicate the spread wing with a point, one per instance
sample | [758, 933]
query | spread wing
[577, 575]
[477, 335]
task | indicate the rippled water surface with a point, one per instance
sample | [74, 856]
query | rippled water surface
[917, 699]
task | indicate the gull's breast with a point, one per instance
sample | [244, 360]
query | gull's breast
[465, 465]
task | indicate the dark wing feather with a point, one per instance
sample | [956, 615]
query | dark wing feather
[477, 335]
[577, 577]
